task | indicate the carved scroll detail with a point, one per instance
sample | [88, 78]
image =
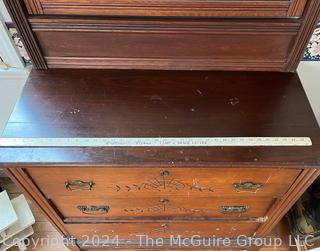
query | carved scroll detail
[163, 183]
[164, 206]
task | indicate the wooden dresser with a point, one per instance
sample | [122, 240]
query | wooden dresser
[111, 196]
[259, 35]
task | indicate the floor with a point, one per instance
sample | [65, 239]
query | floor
[11, 84]
[43, 230]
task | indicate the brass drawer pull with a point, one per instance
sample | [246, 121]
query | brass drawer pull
[77, 185]
[247, 186]
[94, 209]
[233, 209]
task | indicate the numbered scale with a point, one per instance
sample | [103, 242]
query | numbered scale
[156, 142]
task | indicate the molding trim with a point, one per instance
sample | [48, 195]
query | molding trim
[163, 63]
[34, 6]
[284, 30]
[296, 8]
[167, 244]
[283, 205]
[309, 22]
[18, 15]
[173, 25]
[174, 8]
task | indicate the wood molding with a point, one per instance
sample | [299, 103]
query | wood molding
[222, 8]
[261, 45]
[283, 205]
[168, 244]
[309, 8]
[225, 25]
[34, 6]
[18, 15]
[309, 22]
[164, 63]
[296, 8]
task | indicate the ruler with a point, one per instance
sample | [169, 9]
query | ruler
[156, 142]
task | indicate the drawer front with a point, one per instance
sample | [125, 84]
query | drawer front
[161, 230]
[140, 208]
[185, 44]
[201, 8]
[131, 182]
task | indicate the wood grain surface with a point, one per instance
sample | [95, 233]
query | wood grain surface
[141, 182]
[102, 103]
[251, 8]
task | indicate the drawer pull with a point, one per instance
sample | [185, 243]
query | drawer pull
[247, 186]
[94, 209]
[233, 209]
[79, 185]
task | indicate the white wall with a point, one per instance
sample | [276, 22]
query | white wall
[11, 84]
[309, 73]
[4, 12]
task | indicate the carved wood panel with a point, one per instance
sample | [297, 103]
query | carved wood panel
[165, 44]
[84, 207]
[138, 182]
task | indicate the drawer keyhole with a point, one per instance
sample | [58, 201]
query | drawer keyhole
[164, 173]
[164, 201]
[233, 209]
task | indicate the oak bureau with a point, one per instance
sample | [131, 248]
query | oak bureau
[93, 195]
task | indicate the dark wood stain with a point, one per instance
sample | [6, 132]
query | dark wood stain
[103, 103]
[230, 8]
[161, 191]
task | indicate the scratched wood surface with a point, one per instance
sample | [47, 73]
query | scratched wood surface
[142, 182]
[106, 103]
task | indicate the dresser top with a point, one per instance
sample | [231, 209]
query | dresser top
[105, 103]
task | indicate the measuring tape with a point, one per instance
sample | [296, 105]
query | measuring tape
[155, 142]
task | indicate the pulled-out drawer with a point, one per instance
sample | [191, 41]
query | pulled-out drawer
[109, 209]
[129, 182]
